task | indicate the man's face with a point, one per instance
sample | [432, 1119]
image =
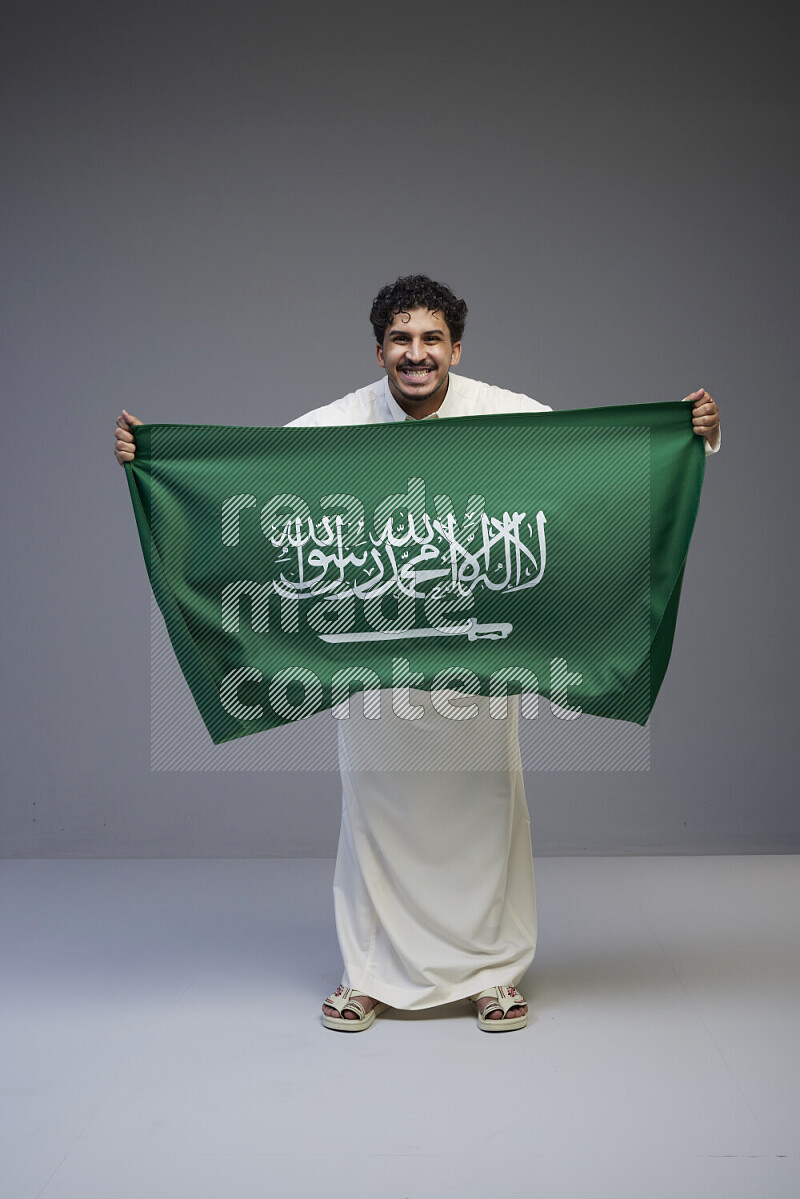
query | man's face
[417, 354]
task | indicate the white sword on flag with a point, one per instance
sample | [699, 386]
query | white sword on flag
[472, 630]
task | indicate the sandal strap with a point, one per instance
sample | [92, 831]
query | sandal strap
[342, 999]
[503, 999]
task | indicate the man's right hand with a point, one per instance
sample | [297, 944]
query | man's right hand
[124, 444]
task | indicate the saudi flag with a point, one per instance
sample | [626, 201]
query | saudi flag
[536, 553]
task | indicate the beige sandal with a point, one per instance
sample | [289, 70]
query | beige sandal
[503, 999]
[342, 1000]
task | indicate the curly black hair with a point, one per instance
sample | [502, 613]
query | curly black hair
[417, 291]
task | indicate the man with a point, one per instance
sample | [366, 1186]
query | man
[433, 890]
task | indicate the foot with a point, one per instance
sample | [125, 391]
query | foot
[367, 1001]
[511, 1014]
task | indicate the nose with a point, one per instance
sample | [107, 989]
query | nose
[416, 352]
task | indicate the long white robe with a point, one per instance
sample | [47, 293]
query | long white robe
[433, 889]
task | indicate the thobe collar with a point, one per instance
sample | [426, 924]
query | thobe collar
[397, 413]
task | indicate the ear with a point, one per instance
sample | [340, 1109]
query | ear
[455, 357]
[379, 355]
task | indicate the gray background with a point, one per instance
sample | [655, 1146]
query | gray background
[200, 204]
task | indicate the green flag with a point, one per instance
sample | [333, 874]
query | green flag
[536, 552]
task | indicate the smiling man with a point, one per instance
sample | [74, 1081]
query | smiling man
[416, 351]
[433, 888]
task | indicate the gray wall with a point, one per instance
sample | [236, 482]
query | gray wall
[200, 206]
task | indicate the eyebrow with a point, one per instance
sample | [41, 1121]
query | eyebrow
[426, 333]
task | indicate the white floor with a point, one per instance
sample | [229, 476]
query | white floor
[148, 1052]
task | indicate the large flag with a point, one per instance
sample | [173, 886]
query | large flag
[537, 553]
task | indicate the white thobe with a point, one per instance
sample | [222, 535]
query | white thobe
[433, 888]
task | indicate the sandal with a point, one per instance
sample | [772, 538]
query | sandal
[503, 999]
[342, 1001]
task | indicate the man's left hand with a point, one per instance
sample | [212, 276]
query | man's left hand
[705, 416]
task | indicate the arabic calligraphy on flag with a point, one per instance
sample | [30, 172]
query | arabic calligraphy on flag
[410, 555]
